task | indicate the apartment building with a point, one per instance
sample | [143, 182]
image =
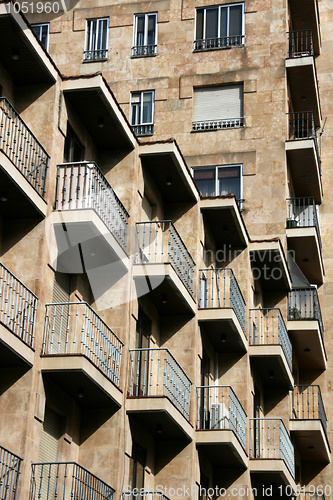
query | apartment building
[165, 249]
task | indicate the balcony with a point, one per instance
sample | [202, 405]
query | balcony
[306, 329]
[90, 222]
[159, 393]
[23, 166]
[82, 354]
[221, 422]
[223, 216]
[225, 42]
[144, 50]
[144, 129]
[303, 155]
[270, 348]
[10, 468]
[17, 321]
[308, 424]
[164, 268]
[272, 456]
[66, 480]
[301, 73]
[303, 235]
[306, 15]
[209, 125]
[95, 55]
[222, 310]
[164, 164]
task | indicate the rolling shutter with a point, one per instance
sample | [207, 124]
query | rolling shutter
[46, 472]
[218, 103]
[59, 313]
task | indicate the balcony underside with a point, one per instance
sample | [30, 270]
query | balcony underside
[269, 265]
[82, 243]
[23, 200]
[303, 86]
[13, 351]
[33, 65]
[310, 440]
[85, 383]
[304, 242]
[305, 334]
[222, 328]
[269, 473]
[166, 167]
[271, 366]
[166, 290]
[304, 15]
[222, 448]
[225, 222]
[304, 168]
[155, 413]
[94, 104]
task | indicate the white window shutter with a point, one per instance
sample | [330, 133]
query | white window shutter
[218, 103]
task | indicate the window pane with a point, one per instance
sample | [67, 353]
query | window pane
[235, 21]
[135, 114]
[151, 30]
[211, 23]
[229, 181]
[199, 33]
[147, 108]
[92, 29]
[140, 27]
[102, 35]
[44, 35]
[205, 180]
[37, 30]
[224, 22]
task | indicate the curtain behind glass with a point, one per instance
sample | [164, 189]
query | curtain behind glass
[229, 181]
[205, 181]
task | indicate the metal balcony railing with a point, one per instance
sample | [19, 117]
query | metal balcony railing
[10, 468]
[219, 289]
[303, 304]
[159, 242]
[219, 408]
[22, 148]
[66, 480]
[75, 328]
[224, 42]
[303, 213]
[269, 439]
[267, 327]
[145, 495]
[17, 306]
[146, 129]
[302, 126]
[95, 55]
[144, 50]
[301, 43]
[309, 495]
[217, 124]
[155, 372]
[82, 185]
[308, 404]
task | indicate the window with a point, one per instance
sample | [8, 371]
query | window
[74, 151]
[142, 112]
[137, 466]
[220, 180]
[43, 33]
[219, 27]
[217, 107]
[96, 45]
[145, 35]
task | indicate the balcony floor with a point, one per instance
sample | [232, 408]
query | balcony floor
[271, 358]
[268, 472]
[13, 351]
[305, 243]
[222, 448]
[305, 334]
[216, 321]
[310, 433]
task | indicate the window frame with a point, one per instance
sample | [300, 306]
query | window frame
[41, 25]
[144, 49]
[217, 167]
[87, 43]
[204, 39]
[147, 128]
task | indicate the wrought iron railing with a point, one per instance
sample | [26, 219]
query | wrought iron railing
[308, 404]
[159, 242]
[22, 148]
[267, 327]
[95, 55]
[217, 124]
[301, 43]
[18, 306]
[144, 50]
[53, 480]
[10, 468]
[155, 372]
[224, 42]
[219, 289]
[82, 185]
[269, 439]
[75, 328]
[147, 129]
[302, 126]
[303, 213]
[303, 304]
[219, 408]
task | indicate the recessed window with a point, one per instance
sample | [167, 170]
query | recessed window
[43, 33]
[73, 150]
[142, 112]
[219, 181]
[218, 107]
[96, 44]
[145, 35]
[137, 466]
[219, 27]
